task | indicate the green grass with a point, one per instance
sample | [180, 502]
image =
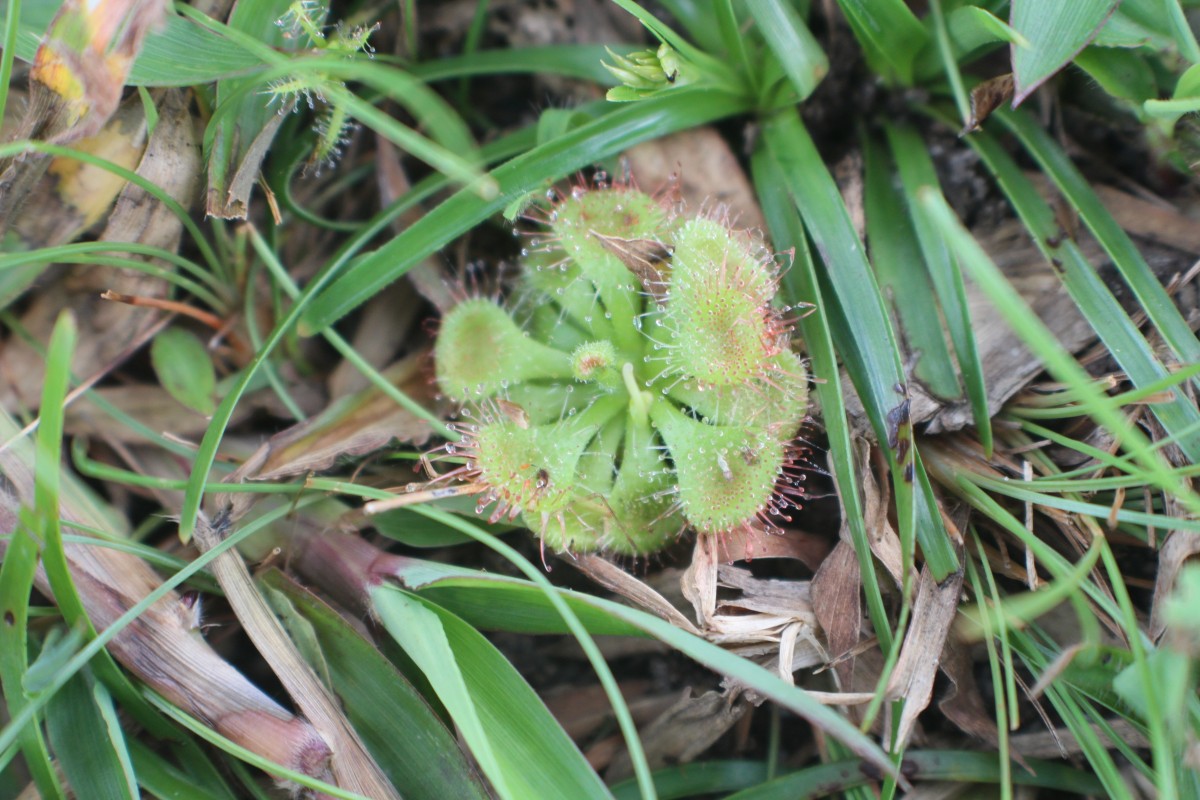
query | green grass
[882, 312]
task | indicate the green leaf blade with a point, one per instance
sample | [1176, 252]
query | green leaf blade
[801, 285]
[890, 34]
[425, 763]
[1056, 31]
[518, 744]
[1151, 295]
[916, 169]
[1095, 301]
[91, 751]
[895, 252]
[802, 58]
[866, 341]
[423, 576]
[588, 144]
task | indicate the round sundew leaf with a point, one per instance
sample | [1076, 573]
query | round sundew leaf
[777, 400]
[535, 469]
[718, 306]
[583, 223]
[725, 474]
[530, 468]
[618, 213]
[480, 350]
[705, 245]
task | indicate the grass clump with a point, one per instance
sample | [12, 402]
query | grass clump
[997, 354]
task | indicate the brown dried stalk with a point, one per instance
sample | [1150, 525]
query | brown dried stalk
[353, 768]
[161, 647]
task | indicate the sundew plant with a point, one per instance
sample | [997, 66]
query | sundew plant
[641, 380]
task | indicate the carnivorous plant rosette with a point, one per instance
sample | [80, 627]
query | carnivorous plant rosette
[641, 378]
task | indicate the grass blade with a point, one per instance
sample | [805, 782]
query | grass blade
[424, 764]
[92, 752]
[900, 267]
[698, 778]
[626, 126]
[933, 765]
[867, 343]
[1043, 344]
[568, 60]
[503, 722]
[803, 60]
[916, 169]
[800, 285]
[750, 674]
[1151, 295]
[16, 582]
[48, 457]
[890, 34]
[1114, 327]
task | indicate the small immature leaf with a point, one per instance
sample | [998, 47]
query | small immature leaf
[1184, 100]
[1189, 83]
[972, 31]
[301, 632]
[185, 369]
[971, 26]
[1056, 31]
